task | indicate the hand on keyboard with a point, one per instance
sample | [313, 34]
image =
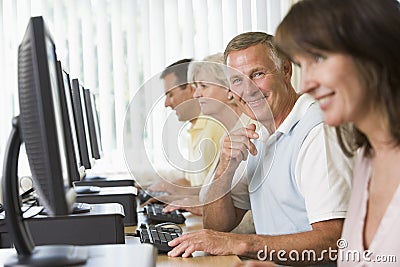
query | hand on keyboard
[154, 213]
[159, 235]
[186, 203]
[146, 196]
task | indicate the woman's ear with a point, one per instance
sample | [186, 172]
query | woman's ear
[230, 95]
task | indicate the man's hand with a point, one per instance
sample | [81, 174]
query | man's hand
[235, 148]
[162, 186]
[189, 203]
[213, 242]
[179, 186]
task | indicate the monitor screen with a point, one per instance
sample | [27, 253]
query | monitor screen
[97, 123]
[73, 158]
[82, 127]
[70, 107]
[41, 119]
[94, 130]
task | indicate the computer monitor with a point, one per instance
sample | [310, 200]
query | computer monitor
[82, 125]
[97, 123]
[73, 157]
[93, 121]
[40, 125]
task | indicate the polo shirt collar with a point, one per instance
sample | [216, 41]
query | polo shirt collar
[299, 109]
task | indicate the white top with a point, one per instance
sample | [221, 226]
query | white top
[322, 172]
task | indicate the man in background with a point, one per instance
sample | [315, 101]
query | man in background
[179, 97]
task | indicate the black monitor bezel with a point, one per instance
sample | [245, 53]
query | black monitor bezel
[84, 147]
[68, 131]
[97, 123]
[94, 136]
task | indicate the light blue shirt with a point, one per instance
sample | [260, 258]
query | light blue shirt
[287, 190]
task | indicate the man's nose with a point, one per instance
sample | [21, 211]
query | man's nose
[250, 88]
[167, 102]
[197, 93]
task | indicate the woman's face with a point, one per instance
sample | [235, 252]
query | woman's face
[213, 98]
[334, 81]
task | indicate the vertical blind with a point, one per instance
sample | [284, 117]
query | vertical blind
[114, 46]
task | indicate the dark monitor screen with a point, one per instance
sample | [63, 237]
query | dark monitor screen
[70, 106]
[94, 130]
[97, 123]
[73, 157]
[82, 126]
[42, 120]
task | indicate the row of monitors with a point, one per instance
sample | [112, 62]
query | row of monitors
[58, 120]
[81, 124]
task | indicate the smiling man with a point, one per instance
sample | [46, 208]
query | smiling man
[297, 181]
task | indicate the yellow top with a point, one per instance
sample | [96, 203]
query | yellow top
[204, 147]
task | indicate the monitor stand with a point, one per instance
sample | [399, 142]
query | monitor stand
[110, 255]
[94, 178]
[87, 189]
[55, 255]
[76, 209]
[125, 195]
[106, 181]
[27, 253]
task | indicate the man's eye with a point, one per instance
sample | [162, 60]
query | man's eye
[258, 74]
[236, 81]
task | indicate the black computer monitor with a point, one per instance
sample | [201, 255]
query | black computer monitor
[40, 125]
[73, 157]
[93, 121]
[82, 125]
[97, 123]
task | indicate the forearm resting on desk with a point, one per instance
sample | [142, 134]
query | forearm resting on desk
[219, 213]
[318, 241]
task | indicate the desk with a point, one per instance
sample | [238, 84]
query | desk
[199, 259]
[108, 255]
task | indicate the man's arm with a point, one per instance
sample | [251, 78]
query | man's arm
[219, 213]
[215, 212]
[179, 186]
[293, 249]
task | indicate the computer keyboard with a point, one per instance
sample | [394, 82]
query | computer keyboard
[159, 235]
[154, 213]
[144, 195]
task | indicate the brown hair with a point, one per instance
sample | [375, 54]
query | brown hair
[179, 68]
[368, 31]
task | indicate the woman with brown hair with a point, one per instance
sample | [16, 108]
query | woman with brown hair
[349, 54]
